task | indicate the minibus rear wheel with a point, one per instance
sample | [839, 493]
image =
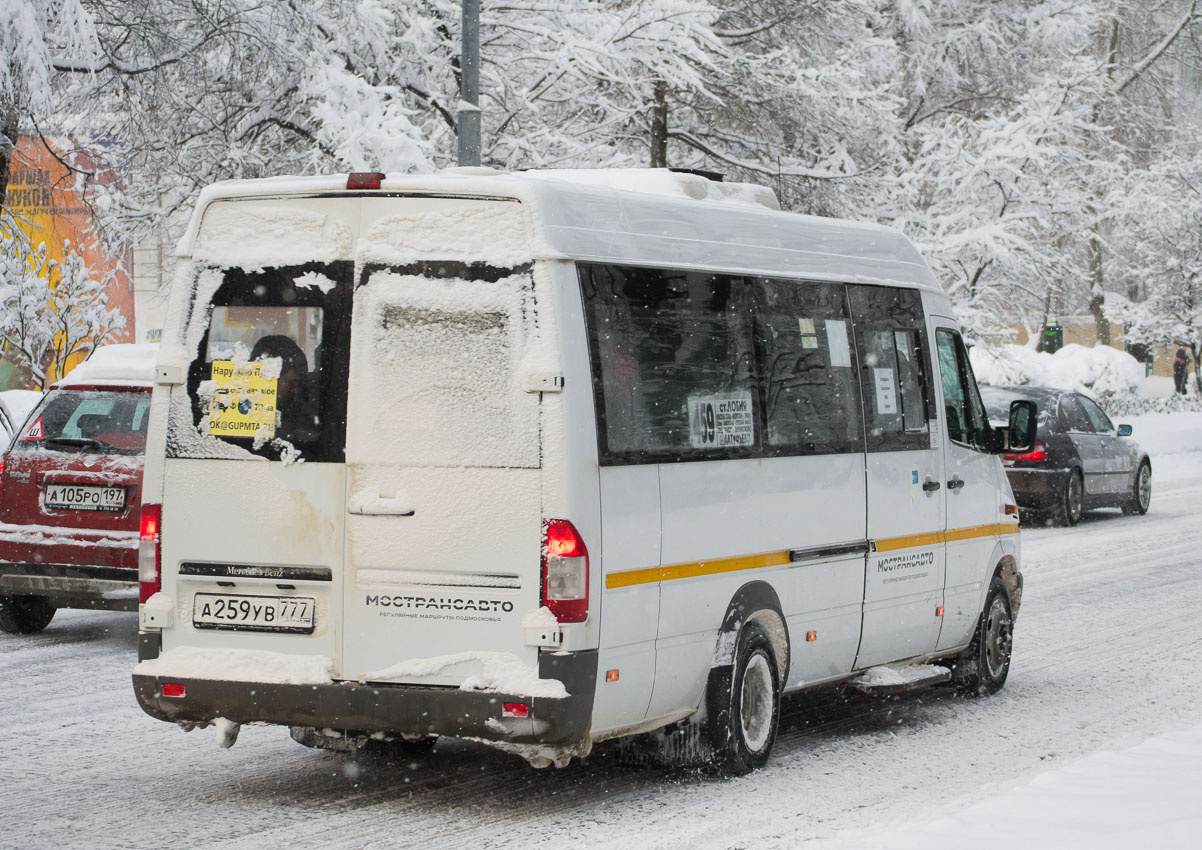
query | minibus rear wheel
[982, 669]
[25, 615]
[743, 728]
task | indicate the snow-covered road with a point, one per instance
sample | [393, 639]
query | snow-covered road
[1107, 654]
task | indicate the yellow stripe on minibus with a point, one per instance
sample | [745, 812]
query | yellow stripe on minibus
[910, 541]
[694, 569]
[991, 530]
[697, 568]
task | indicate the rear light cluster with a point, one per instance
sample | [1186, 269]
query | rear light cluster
[150, 576]
[565, 572]
[1037, 455]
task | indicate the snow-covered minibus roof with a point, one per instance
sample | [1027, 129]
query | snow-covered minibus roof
[640, 217]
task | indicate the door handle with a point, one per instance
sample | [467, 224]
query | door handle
[371, 503]
[930, 485]
[955, 484]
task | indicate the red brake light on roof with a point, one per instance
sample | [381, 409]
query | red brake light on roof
[364, 180]
[1037, 455]
[150, 576]
[565, 571]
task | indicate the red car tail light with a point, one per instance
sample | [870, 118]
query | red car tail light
[150, 576]
[565, 571]
[1037, 455]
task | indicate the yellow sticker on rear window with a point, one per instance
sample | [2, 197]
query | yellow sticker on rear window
[243, 403]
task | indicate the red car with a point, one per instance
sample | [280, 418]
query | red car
[70, 493]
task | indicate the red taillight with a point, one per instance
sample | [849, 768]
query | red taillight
[1, 479]
[515, 709]
[150, 577]
[364, 180]
[172, 689]
[1036, 455]
[565, 571]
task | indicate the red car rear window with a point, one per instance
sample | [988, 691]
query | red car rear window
[95, 421]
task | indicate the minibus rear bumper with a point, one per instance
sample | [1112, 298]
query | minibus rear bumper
[396, 709]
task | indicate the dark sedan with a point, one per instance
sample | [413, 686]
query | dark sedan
[1080, 460]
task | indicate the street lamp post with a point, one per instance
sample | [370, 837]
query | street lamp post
[469, 89]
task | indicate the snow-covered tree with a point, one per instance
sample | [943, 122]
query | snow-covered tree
[1160, 256]
[33, 35]
[52, 314]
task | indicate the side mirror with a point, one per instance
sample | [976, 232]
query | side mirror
[1125, 430]
[1020, 435]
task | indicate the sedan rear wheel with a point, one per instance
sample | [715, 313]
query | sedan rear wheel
[1068, 512]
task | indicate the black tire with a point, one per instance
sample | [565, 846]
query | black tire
[415, 746]
[982, 669]
[1141, 491]
[25, 615]
[745, 705]
[1068, 510]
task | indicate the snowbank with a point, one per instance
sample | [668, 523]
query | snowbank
[240, 665]
[1100, 370]
[132, 363]
[1146, 795]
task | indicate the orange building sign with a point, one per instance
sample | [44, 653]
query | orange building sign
[47, 207]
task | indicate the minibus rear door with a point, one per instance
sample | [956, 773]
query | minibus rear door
[443, 517]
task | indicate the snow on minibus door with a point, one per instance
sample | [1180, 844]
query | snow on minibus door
[975, 500]
[903, 586]
[252, 516]
[443, 513]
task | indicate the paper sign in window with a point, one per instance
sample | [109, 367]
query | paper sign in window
[809, 336]
[836, 341]
[243, 403]
[886, 391]
[723, 420]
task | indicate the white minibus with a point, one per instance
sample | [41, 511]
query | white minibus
[542, 459]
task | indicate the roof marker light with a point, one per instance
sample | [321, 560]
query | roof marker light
[364, 179]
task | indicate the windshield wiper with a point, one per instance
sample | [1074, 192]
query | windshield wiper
[77, 442]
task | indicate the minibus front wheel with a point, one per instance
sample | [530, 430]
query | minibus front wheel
[745, 707]
[981, 669]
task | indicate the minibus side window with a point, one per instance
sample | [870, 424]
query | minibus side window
[811, 398]
[891, 343]
[966, 420]
[672, 364]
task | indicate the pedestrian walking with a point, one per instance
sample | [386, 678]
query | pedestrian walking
[1180, 370]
